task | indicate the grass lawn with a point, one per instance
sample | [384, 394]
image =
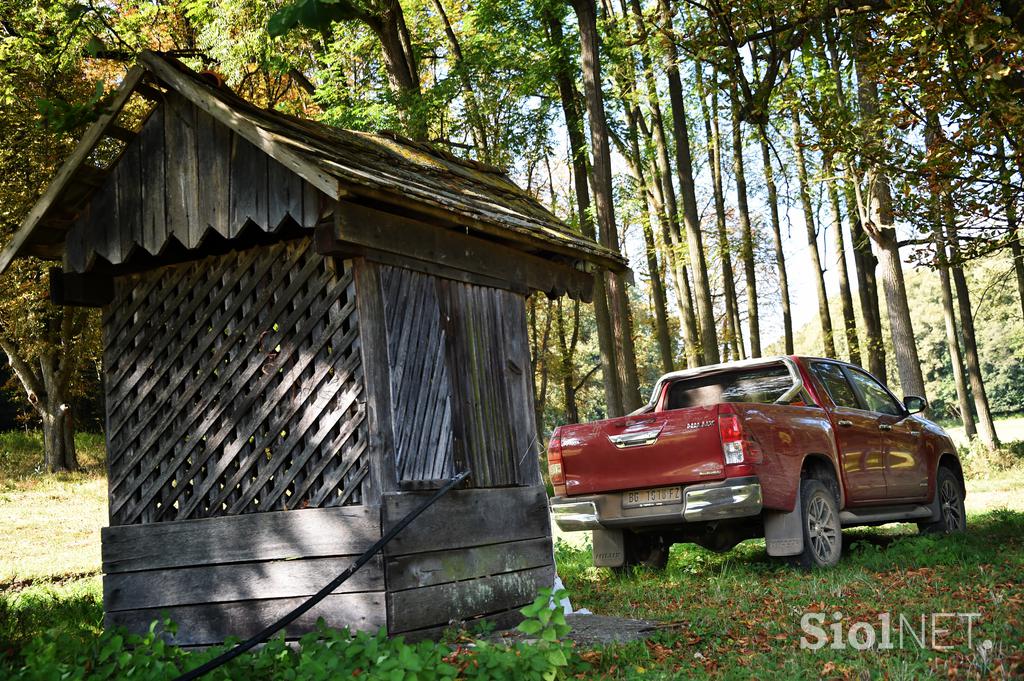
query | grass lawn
[731, 615]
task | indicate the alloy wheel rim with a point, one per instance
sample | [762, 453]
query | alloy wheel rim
[822, 531]
[950, 500]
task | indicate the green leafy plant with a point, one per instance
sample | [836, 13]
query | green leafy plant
[60, 115]
[322, 654]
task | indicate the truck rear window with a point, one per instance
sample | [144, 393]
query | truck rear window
[762, 385]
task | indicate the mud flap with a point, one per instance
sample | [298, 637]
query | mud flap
[935, 506]
[784, 531]
[609, 548]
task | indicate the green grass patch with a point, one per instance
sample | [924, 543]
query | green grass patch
[738, 614]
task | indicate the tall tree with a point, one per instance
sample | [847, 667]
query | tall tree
[731, 342]
[949, 317]
[45, 347]
[386, 19]
[986, 428]
[824, 316]
[664, 189]
[839, 247]
[1013, 227]
[565, 81]
[586, 13]
[865, 265]
[876, 209]
[684, 171]
[658, 303]
[747, 251]
[780, 254]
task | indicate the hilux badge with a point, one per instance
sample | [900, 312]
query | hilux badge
[699, 424]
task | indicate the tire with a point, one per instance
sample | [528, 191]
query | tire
[950, 494]
[648, 551]
[823, 536]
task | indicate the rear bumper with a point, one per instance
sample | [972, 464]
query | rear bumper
[729, 498]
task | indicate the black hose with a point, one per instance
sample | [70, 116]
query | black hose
[302, 609]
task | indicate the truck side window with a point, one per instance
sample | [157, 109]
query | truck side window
[875, 395]
[839, 389]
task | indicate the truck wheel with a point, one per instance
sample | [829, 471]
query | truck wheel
[643, 550]
[823, 536]
[951, 501]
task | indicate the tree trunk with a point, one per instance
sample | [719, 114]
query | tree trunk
[747, 253]
[780, 255]
[578, 149]
[908, 366]
[636, 163]
[45, 380]
[730, 331]
[567, 346]
[839, 243]
[877, 223]
[400, 62]
[684, 169]
[666, 189]
[986, 428]
[824, 316]
[867, 290]
[586, 12]
[662, 333]
[952, 342]
[476, 120]
[1013, 227]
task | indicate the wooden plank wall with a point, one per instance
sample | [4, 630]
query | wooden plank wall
[460, 382]
[234, 384]
[232, 576]
[184, 176]
[475, 553]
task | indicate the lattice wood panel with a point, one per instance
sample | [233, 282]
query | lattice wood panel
[234, 385]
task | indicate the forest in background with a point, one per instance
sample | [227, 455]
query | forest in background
[826, 177]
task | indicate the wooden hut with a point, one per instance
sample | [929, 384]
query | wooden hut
[306, 330]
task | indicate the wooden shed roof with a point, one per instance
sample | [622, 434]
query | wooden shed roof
[387, 169]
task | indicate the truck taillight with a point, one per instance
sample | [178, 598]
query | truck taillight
[555, 471]
[732, 437]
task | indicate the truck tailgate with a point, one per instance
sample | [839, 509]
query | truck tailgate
[651, 450]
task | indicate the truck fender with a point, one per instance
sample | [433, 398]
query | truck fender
[784, 530]
[609, 548]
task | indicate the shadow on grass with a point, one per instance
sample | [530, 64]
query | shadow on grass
[72, 608]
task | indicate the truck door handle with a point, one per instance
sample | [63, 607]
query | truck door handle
[884, 426]
[845, 423]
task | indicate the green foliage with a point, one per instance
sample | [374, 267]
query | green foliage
[979, 461]
[63, 640]
[59, 115]
[315, 14]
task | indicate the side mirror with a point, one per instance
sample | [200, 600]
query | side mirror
[915, 404]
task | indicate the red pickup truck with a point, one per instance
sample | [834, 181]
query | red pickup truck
[791, 449]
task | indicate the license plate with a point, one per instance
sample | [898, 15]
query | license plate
[652, 497]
